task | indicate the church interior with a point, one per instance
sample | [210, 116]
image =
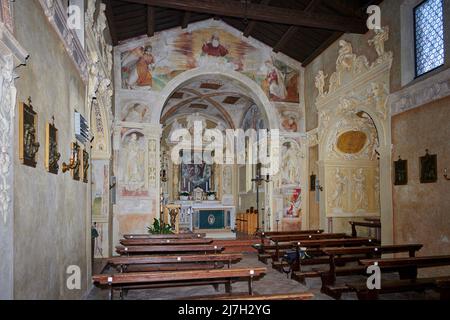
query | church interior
[224, 150]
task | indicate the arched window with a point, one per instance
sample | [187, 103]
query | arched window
[429, 36]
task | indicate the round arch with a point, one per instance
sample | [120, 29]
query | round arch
[254, 91]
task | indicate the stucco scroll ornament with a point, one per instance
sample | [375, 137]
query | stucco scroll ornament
[320, 83]
[93, 75]
[7, 102]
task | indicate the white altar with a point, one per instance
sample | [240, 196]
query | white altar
[218, 221]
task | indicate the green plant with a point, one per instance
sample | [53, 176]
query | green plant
[159, 228]
[210, 193]
[184, 194]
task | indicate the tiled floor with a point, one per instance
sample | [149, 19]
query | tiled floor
[273, 282]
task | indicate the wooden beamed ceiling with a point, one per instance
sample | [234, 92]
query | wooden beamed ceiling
[301, 29]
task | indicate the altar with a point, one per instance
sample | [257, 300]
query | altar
[218, 221]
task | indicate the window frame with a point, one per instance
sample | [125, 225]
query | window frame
[416, 75]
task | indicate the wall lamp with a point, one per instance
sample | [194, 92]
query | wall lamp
[74, 161]
[446, 175]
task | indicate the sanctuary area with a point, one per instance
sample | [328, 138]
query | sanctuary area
[224, 150]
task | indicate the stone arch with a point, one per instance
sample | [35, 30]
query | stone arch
[254, 91]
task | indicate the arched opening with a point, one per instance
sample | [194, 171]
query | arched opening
[223, 101]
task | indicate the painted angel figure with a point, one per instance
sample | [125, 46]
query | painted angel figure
[138, 63]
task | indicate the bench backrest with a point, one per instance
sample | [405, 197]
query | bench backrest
[174, 259]
[291, 238]
[168, 249]
[286, 233]
[150, 242]
[152, 277]
[374, 250]
[419, 262]
[334, 242]
[166, 236]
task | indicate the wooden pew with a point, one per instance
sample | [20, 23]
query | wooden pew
[166, 236]
[146, 280]
[323, 243]
[367, 224]
[162, 242]
[256, 297]
[335, 256]
[264, 235]
[136, 250]
[122, 264]
[408, 276]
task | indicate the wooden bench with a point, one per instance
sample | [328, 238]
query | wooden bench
[335, 255]
[146, 280]
[408, 276]
[256, 297]
[166, 236]
[366, 224]
[122, 264]
[162, 242]
[141, 250]
[264, 235]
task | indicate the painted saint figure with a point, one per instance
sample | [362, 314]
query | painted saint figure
[214, 48]
[275, 80]
[138, 64]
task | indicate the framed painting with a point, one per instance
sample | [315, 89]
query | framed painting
[76, 172]
[428, 168]
[52, 156]
[28, 135]
[196, 176]
[85, 166]
[400, 172]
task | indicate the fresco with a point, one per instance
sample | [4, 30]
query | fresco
[153, 64]
[293, 202]
[137, 113]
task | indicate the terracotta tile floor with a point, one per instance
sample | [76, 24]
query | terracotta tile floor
[273, 282]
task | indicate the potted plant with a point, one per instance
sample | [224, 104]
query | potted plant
[184, 196]
[211, 195]
[159, 228]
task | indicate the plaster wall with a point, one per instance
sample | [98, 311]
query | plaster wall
[421, 210]
[51, 222]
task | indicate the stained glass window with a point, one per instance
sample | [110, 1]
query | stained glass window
[429, 30]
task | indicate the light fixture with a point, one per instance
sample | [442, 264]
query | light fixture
[74, 161]
[446, 175]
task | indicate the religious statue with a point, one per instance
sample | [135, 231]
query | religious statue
[360, 190]
[346, 56]
[213, 48]
[381, 36]
[135, 162]
[334, 82]
[320, 83]
[340, 181]
[289, 165]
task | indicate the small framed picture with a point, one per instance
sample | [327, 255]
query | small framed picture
[28, 134]
[312, 182]
[52, 156]
[400, 172]
[428, 168]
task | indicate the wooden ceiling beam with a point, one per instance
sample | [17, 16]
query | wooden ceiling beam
[263, 13]
[251, 25]
[322, 48]
[185, 21]
[150, 21]
[294, 29]
[110, 17]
